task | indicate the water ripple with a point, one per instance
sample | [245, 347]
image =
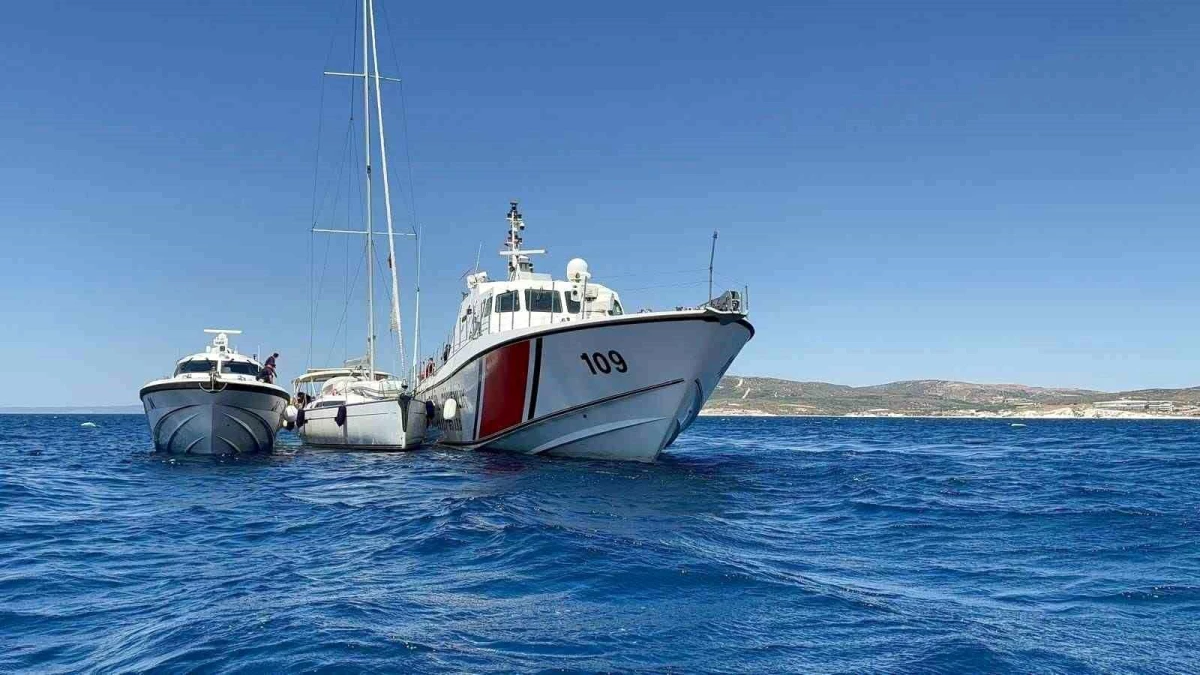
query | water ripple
[808, 545]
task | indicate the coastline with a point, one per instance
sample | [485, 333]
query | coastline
[1130, 417]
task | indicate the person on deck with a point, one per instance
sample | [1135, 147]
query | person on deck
[268, 372]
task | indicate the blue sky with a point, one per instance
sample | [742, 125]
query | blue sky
[996, 192]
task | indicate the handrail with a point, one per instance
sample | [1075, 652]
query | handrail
[476, 328]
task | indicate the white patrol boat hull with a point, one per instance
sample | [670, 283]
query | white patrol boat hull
[213, 416]
[388, 424]
[621, 388]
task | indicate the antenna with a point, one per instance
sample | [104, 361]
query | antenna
[711, 255]
[220, 345]
[518, 259]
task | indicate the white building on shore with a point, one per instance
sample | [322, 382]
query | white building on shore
[1137, 404]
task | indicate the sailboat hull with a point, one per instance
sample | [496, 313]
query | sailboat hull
[228, 418]
[373, 425]
[620, 389]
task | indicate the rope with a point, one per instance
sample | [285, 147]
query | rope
[655, 274]
[316, 283]
[387, 22]
[411, 193]
[391, 326]
[316, 293]
[342, 321]
[316, 205]
[675, 285]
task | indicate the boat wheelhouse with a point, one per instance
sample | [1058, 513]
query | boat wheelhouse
[529, 300]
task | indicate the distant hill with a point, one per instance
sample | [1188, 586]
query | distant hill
[773, 396]
[765, 395]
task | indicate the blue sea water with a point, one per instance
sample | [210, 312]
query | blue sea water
[755, 545]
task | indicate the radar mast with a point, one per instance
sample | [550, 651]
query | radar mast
[518, 259]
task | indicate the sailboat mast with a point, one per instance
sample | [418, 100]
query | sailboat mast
[370, 233]
[387, 190]
[417, 312]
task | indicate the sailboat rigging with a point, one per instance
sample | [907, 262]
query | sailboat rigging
[358, 405]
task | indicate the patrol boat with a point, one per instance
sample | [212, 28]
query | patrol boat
[557, 367]
[214, 404]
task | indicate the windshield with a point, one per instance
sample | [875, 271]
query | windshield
[507, 302]
[196, 366]
[228, 367]
[542, 300]
[240, 368]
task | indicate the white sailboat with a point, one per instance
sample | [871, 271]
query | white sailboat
[556, 367]
[358, 406]
[214, 404]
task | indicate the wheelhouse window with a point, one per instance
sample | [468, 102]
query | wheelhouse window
[196, 366]
[572, 304]
[507, 302]
[537, 300]
[616, 310]
[240, 368]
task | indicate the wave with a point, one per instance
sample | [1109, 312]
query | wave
[775, 545]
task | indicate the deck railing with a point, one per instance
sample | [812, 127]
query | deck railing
[730, 300]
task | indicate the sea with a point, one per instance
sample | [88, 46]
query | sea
[755, 545]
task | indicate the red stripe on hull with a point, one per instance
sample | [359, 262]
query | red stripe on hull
[506, 372]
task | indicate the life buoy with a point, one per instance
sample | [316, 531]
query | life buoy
[340, 417]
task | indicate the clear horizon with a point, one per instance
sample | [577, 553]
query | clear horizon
[989, 193]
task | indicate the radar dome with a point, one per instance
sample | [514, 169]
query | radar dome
[577, 270]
